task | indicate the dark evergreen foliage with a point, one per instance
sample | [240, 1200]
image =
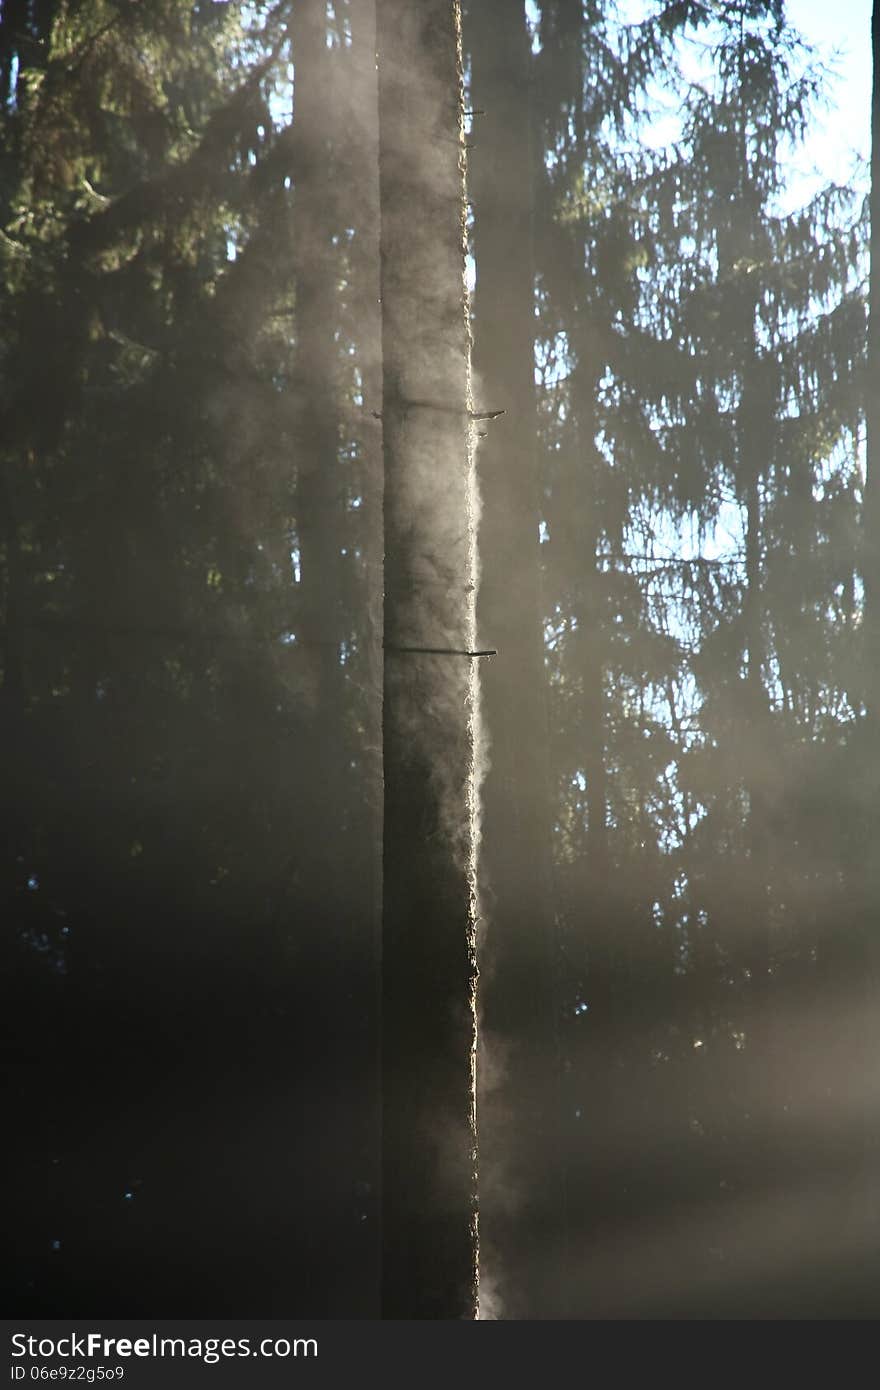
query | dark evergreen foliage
[191, 972]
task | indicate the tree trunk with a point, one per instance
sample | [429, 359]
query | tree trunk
[872, 409]
[866, 965]
[366, 314]
[319, 486]
[334, 846]
[428, 1034]
[517, 1101]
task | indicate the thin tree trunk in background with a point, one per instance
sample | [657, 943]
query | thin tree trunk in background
[319, 495]
[328, 850]
[429, 1142]
[319, 488]
[760, 1079]
[868, 967]
[365, 307]
[362, 175]
[517, 1101]
[872, 409]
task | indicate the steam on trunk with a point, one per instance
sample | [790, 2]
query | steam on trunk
[428, 971]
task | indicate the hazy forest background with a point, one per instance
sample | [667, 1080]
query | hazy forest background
[679, 1083]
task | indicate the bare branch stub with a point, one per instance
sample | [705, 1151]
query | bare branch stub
[441, 651]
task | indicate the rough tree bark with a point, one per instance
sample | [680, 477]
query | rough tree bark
[516, 1100]
[428, 976]
[872, 401]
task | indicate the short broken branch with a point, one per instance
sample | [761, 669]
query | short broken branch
[440, 651]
